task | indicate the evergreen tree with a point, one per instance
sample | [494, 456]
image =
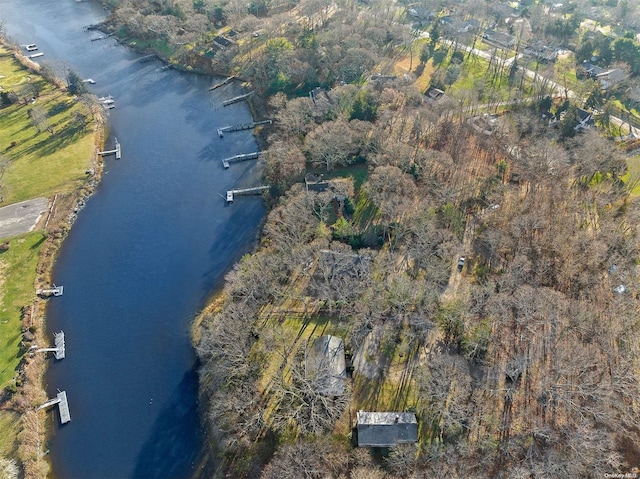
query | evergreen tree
[75, 85]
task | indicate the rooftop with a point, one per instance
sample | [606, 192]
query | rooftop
[386, 429]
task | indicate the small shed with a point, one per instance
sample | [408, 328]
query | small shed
[326, 363]
[386, 429]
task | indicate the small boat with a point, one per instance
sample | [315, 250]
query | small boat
[89, 80]
[106, 100]
[32, 47]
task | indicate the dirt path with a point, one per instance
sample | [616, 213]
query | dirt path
[455, 278]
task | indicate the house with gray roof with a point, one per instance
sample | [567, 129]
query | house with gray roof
[386, 429]
[498, 39]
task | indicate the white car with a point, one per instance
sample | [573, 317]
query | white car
[461, 263]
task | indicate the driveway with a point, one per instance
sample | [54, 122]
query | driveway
[21, 217]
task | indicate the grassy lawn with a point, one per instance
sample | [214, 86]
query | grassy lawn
[41, 164]
[565, 71]
[473, 73]
[632, 176]
[17, 275]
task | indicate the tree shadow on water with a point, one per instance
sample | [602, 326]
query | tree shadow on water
[175, 447]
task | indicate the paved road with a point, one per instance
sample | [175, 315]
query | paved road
[21, 217]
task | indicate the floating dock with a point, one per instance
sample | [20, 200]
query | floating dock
[103, 37]
[242, 126]
[59, 349]
[256, 190]
[32, 47]
[222, 83]
[63, 406]
[47, 292]
[36, 55]
[106, 100]
[234, 159]
[117, 151]
[237, 99]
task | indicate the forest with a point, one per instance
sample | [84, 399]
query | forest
[478, 261]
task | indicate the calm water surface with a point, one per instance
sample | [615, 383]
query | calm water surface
[144, 254]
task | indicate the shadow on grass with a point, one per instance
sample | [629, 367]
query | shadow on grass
[56, 141]
[38, 243]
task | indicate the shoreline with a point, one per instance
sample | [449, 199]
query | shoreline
[55, 224]
[37, 426]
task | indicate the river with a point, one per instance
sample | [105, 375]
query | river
[144, 254]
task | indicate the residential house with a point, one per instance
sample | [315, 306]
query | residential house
[611, 77]
[585, 119]
[455, 25]
[421, 13]
[222, 43]
[541, 51]
[386, 429]
[433, 93]
[325, 363]
[315, 182]
[498, 39]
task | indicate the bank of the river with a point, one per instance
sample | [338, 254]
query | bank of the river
[30, 436]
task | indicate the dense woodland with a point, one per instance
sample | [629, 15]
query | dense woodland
[523, 363]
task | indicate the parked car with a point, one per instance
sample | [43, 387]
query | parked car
[461, 263]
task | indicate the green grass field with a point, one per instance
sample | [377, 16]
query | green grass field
[40, 164]
[17, 275]
[632, 176]
[33, 164]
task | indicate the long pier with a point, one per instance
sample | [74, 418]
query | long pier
[117, 151]
[223, 83]
[63, 406]
[237, 99]
[148, 58]
[59, 349]
[256, 190]
[234, 159]
[242, 126]
[103, 37]
[55, 291]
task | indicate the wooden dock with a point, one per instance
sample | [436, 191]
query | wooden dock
[222, 83]
[59, 349]
[103, 37]
[256, 190]
[234, 159]
[237, 99]
[117, 151]
[63, 406]
[36, 55]
[47, 292]
[148, 58]
[242, 126]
